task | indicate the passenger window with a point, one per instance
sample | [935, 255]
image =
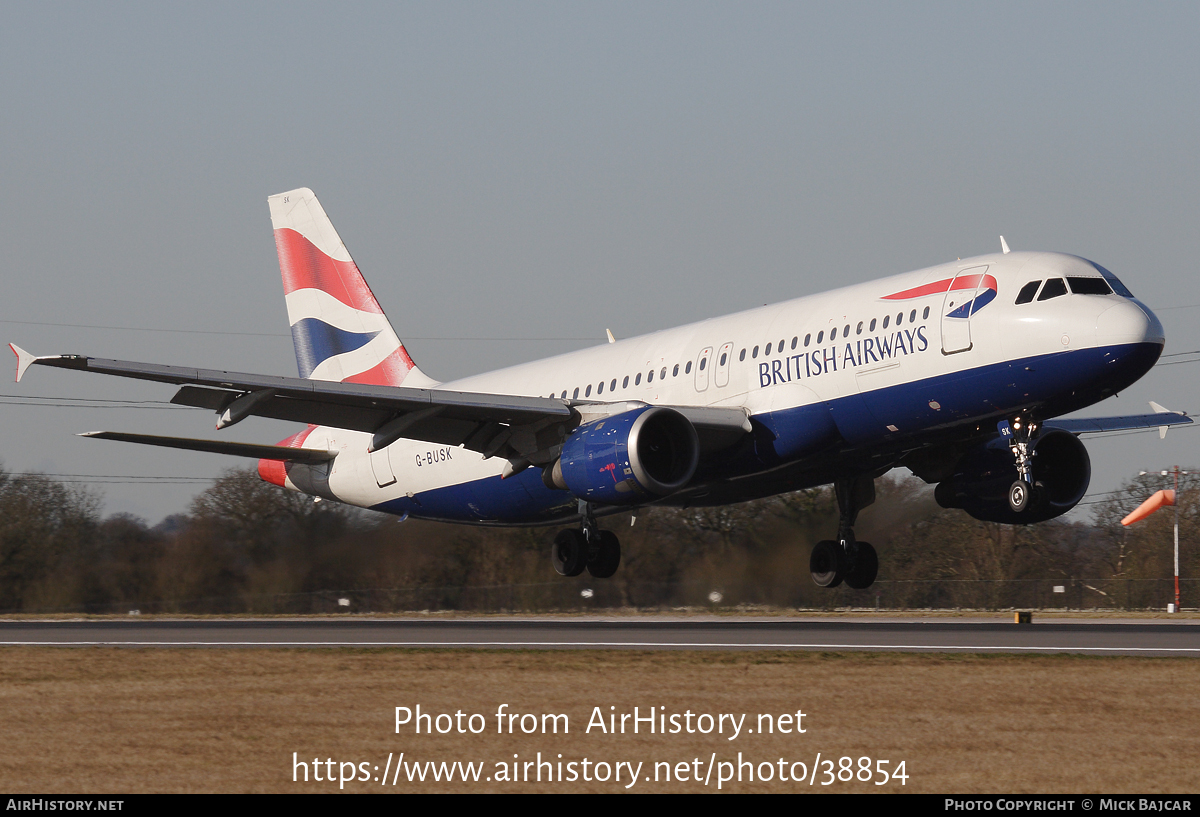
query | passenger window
[564, 394]
[872, 327]
[886, 319]
[625, 382]
[833, 333]
[1027, 292]
[675, 371]
[588, 391]
[703, 363]
[807, 338]
[858, 331]
[742, 356]
[900, 319]
[780, 347]
[637, 381]
[688, 368]
[575, 396]
[912, 316]
[663, 374]
[1089, 286]
[768, 350]
[925, 314]
[795, 340]
[821, 336]
[650, 376]
[1053, 288]
[755, 352]
[600, 388]
[846, 331]
[613, 386]
[724, 357]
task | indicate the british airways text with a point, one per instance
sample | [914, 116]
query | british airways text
[859, 353]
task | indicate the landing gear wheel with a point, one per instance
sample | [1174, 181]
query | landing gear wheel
[1018, 496]
[569, 552]
[824, 563]
[607, 557]
[866, 567]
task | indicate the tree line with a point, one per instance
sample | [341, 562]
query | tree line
[248, 547]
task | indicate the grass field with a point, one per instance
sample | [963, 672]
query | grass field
[129, 720]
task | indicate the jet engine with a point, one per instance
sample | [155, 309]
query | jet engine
[621, 460]
[981, 479]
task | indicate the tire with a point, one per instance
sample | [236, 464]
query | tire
[608, 556]
[569, 552]
[1018, 496]
[824, 562]
[866, 567]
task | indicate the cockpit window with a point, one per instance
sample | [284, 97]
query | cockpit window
[1027, 292]
[1113, 281]
[1053, 288]
[1089, 286]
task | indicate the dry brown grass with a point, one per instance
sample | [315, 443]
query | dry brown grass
[113, 720]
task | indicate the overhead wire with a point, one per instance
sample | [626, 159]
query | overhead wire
[89, 402]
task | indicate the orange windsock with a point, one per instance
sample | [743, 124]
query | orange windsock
[1151, 505]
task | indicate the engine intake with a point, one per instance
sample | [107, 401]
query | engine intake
[1062, 471]
[620, 460]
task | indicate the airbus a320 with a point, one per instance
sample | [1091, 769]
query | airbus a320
[956, 372]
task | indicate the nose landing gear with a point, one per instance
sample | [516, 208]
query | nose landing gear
[856, 563]
[1024, 491]
[599, 551]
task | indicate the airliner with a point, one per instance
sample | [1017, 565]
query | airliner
[956, 372]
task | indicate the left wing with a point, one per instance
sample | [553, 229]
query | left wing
[510, 426]
[1130, 422]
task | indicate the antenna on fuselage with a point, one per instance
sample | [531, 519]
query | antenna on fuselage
[611, 339]
[1004, 245]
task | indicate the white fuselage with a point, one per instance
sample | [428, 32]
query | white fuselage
[776, 358]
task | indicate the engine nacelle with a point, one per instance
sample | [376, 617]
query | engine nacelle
[1061, 473]
[621, 460]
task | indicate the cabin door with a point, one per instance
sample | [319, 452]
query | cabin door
[381, 466]
[956, 310]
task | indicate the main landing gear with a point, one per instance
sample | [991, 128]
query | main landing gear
[847, 560]
[588, 547]
[1024, 491]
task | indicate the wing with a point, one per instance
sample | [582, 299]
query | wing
[1130, 422]
[509, 426]
[283, 453]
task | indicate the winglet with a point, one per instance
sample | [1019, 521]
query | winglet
[1004, 245]
[611, 339]
[1162, 430]
[24, 360]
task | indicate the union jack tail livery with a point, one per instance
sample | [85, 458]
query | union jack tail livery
[338, 328]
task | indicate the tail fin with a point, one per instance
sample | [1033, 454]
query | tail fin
[338, 328]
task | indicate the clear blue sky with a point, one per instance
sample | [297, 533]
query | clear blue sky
[524, 175]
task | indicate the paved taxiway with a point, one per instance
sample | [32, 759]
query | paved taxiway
[1096, 637]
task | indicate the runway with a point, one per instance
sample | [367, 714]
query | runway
[857, 633]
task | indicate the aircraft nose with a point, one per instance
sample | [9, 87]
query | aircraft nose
[1128, 322]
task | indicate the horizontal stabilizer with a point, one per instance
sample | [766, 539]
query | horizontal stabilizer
[310, 456]
[1132, 422]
